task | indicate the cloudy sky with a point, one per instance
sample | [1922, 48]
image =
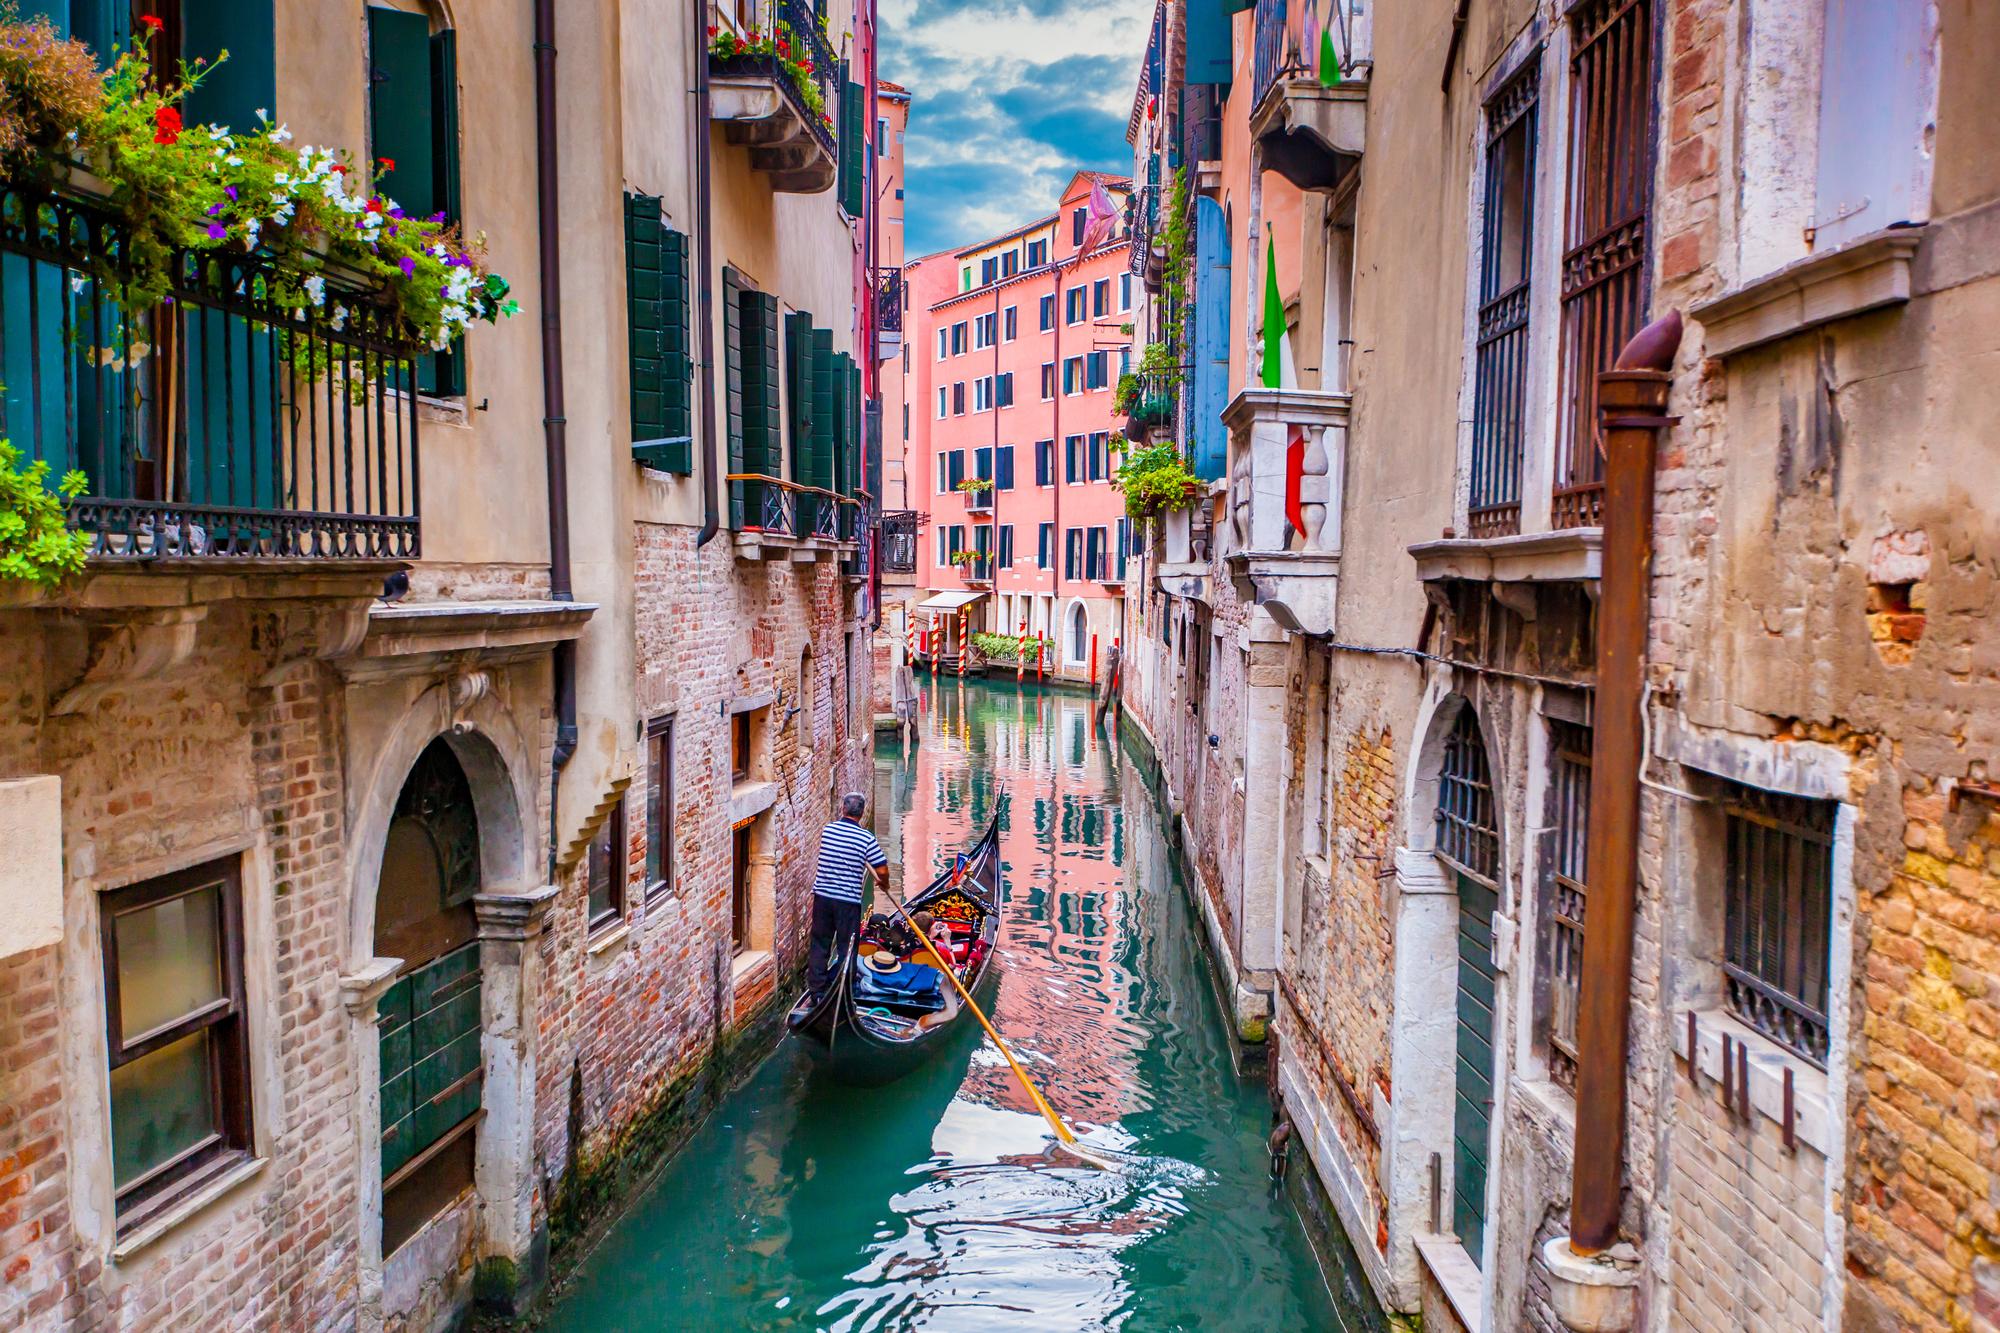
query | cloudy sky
[1007, 98]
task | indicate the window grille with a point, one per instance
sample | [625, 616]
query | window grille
[1604, 286]
[1570, 781]
[1468, 832]
[1778, 911]
[1501, 352]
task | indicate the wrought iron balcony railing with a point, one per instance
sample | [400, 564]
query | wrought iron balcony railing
[899, 541]
[217, 424]
[758, 21]
[889, 300]
[775, 507]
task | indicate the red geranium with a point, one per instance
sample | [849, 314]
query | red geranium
[167, 125]
[153, 21]
[388, 163]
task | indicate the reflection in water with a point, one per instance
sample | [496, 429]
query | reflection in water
[932, 1203]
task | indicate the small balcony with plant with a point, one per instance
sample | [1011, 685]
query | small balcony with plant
[1162, 491]
[774, 84]
[978, 493]
[210, 340]
[1282, 544]
[974, 566]
[1146, 397]
[1309, 109]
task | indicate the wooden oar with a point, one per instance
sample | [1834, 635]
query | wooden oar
[1034, 1093]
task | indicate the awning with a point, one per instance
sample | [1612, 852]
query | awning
[950, 601]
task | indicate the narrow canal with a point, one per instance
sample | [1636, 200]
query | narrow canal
[801, 1204]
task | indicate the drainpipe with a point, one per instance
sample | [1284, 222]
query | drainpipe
[554, 439]
[704, 259]
[1631, 403]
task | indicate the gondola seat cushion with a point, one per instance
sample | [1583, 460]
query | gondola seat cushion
[912, 987]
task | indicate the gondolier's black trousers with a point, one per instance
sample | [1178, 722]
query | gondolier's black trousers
[832, 920]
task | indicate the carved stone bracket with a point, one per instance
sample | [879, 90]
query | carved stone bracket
[363, 988]
[139, 647]
[514, 917]
[324, 632]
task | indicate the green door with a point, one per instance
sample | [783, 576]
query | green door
[430, 1055]
[1473, 1106]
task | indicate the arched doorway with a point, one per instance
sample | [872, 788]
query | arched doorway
[429, 1024]
[1079, 633]
[1468, 838]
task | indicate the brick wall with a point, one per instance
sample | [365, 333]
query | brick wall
[40, 1278]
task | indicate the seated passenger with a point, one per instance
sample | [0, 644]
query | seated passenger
[937, 931]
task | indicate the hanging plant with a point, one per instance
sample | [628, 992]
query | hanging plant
[975, 485]
[176, 187]
[782, 44]
[1157, 481]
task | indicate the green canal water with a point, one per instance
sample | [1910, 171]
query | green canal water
[932, 1203]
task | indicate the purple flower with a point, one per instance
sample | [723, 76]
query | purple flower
[217, 231]
[408, 265]
[214, 209]
[438, 216]
[229, 190]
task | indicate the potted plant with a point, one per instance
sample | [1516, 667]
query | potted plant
[1157, 480]
[975, 485]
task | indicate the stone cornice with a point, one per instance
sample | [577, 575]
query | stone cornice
[1852, 279]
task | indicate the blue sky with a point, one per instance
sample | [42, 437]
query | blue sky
[1008, 97]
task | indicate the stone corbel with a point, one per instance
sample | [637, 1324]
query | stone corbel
[1516, 597]
[361, 990]
[147, 645]
[462, 691]
[514, 917]
[1418, 871]
[316, 633]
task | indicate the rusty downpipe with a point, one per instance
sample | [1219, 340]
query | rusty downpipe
[554, 426]
[704, 260]
[1631, 406]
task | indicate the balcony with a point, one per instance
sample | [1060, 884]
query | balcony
[1286, 449]
[888, 313]
[899, 541]
[1149, 405]
[219, 427]
[775, 519]
[1309, 133]
[766, 104]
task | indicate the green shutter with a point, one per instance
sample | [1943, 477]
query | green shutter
[732, 367]
[231, 91]
[799, 396]
[430, 1054]
[444, 122]
[853, 149]
[854, 435]
[656, 338]
[401, 106]
[825, 425]
[762, 426]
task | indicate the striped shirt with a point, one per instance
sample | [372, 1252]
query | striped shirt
[846, 850]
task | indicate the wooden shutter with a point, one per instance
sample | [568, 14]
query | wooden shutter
[1874, 110]
[1207, 42]
[825, 426]
[852, 149]
[231, 90]
[1473, 1100]
[762, 428]
[854, 435]
[1209, 455]
[732, 366]
[656, 338]
[401, 105]
[799, 395]
[430, 1055]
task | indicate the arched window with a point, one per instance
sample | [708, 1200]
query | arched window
[1079, 632]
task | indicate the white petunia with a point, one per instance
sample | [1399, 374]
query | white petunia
[315, 287]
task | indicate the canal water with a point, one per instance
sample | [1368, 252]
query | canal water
[932, 1203]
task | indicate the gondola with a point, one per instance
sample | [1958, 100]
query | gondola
[863, 1040]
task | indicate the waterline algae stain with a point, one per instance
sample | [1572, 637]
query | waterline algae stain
[933, 1202]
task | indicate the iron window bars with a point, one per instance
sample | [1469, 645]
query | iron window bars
[1468, 831]
[1501, 352]
[1778, 905]
[1604, 279]
[1570, 788]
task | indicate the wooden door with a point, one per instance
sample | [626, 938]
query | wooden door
[1473, 1105]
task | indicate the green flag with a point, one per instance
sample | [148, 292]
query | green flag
[1274, 314]
[1329, 63]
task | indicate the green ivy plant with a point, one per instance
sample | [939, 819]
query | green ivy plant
[1180, 258]
[36, 544]
[1156, 480]
[1008, 647]
[1126, 395]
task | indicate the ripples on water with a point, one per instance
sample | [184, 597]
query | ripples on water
[934, 1203]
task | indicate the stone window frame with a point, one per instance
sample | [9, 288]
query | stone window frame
[608, 854]
[661, 734]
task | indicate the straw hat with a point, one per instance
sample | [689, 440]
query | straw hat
[881, 961]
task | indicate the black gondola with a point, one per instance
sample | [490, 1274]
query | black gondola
[864, 1041]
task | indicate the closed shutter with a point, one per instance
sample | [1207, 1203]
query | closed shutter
[825, 423]
[762, 427]
[1044, 463]
[430, 1055]
[1004, 471]
[230, 91]
[656, 338]
[852, 149]
[799, 397]
[1207, 39]
[1473, 1104]
[1872, 151]
[1007, 546]
[1211, 341]
[732, 366]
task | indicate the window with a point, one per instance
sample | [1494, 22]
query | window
[906, 408]
[954, 468]
[1098, 368]
[1072, 553]
[1606, 240]
[739, 886]
[1094, 549]
[660, 368]
[1005, 389]
[982, 462]
[739, 746]
[982, 331]
[1124, 546]
[1077, 219]
[1124, 292]
[982, 394]
[1100, 455]
[1048, 380]
[659, 807]
[1045, 540]
[1010, 323]
[943, 547]
[1048, 313]
[1045, 462]
[944, 344]
[1072, 374]
[1038, 255]
[1467, 828]
[605, 869]
[965, 278]
[1778, 902]
[1074, 307]
[413, 122]
[1501, 352]
[1074, 464]
[1100, 298]
[1003, 479]
[943, 402]
[881, 137]
[958, 338]
[1563, 901]
[1006, 546]
[173, 994]
[958, 399]
[989, 269]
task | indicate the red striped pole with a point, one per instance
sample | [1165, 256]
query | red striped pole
[1093, 660]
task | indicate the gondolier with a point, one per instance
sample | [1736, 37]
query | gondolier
[847, 853]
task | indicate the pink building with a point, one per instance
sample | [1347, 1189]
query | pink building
[1015, 345]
